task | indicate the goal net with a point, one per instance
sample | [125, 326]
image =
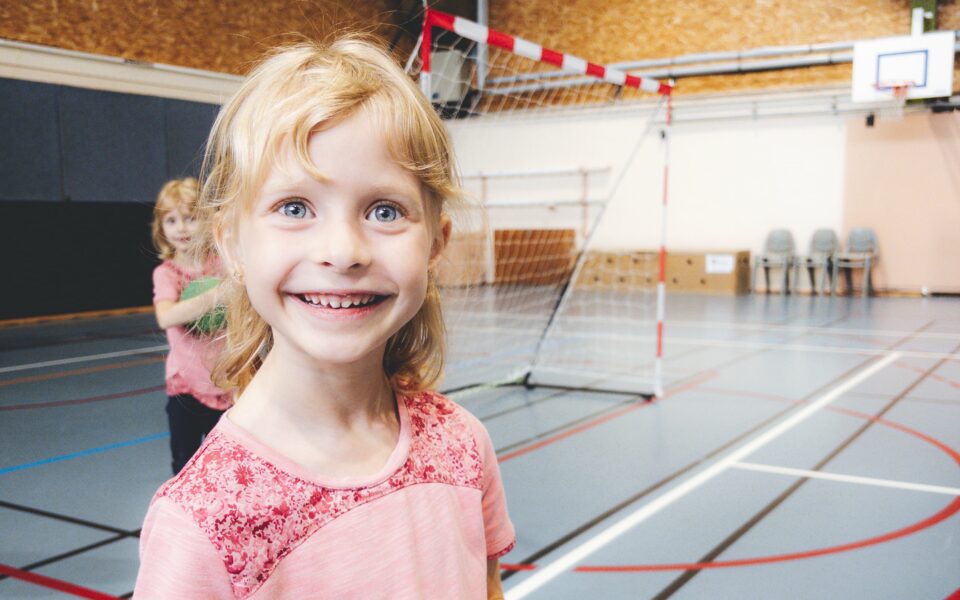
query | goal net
[534, 290]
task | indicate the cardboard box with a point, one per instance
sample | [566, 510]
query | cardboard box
[621, 271]
[720, 272]
[724, 272]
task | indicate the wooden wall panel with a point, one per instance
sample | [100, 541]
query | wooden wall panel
[948, 17]
[534, 256]
[228, 35]
[216, 35]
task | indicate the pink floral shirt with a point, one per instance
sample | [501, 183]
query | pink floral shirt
[242, 521]
[191, 357]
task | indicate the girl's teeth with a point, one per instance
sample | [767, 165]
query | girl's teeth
[338, 301]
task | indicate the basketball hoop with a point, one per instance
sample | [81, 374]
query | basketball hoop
[898, 92]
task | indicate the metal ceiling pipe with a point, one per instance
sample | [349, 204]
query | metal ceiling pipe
[728, 68]
[700, 57]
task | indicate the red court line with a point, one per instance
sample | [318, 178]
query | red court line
[910, 367]
[513, 567]
[934, 376]
[949, 382]
[599, 421]
[84, 371]
[28, 406]
[54, 584]
[945, 513]
[954, 596]
[760, 395]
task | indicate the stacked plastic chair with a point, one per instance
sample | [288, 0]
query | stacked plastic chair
[823, 246]
[778, 252]
[861, 253]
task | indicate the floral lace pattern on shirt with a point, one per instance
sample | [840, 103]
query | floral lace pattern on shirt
[255, 513]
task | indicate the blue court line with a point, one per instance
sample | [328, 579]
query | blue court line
[88, 452]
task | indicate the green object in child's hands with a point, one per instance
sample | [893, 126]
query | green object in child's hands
[214, 320]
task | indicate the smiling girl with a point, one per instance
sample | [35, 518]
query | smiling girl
[339, 473]
[194, 403]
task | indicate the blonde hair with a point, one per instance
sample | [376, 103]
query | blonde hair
[175, 194]
[294, 91]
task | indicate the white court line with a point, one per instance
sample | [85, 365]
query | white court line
[747, 345]
[818, 329]
[760, 345]
[750, 345]
[813, 348]
[88, 357]
[736, 327]
[902, 485]
[568, 560]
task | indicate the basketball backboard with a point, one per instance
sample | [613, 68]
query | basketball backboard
[922, 62]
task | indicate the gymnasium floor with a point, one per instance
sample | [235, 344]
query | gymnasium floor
[806, 447]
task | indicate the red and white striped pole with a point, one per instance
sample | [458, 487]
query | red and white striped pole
[662, 279]
[484, 35]
[574, 64]
[426, 42]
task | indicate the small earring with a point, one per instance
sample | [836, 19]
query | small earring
[237, 276]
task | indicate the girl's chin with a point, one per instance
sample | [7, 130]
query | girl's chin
[330, 352]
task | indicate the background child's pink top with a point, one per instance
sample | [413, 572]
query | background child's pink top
[191, 357]
[242, 521]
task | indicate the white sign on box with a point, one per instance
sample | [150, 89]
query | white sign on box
[720, 263]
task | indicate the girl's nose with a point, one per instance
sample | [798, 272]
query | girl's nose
[342, 246]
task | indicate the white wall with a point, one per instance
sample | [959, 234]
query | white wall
[735, 181]
[731, 181]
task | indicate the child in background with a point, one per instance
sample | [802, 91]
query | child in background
[195, 404]
[338, 473]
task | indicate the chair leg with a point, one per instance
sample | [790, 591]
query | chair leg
[812, 272]
[827, 266]
[785, 286]
[866, 277]
[833, 280]
[766, 277]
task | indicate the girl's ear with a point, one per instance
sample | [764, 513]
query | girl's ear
[440, 240]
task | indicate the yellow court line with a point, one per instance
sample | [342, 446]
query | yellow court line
[97, 369]
[91, 314]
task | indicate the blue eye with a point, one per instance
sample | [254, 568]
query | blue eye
[385, 213]
[295, 209]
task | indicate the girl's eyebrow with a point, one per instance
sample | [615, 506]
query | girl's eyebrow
[284, 190]
[389, 188]
[395, 190]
